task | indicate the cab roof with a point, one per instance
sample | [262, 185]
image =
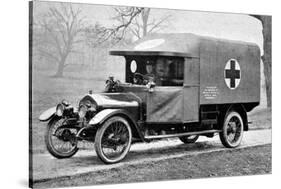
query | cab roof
[169, 44]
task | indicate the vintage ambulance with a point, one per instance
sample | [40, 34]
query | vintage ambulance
[176, 85]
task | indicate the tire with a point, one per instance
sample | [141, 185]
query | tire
[50, 145]
[233, 124]
[109, 137]
[189, 139]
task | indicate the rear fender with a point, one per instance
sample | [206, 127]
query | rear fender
[48, 114]
[103, 115]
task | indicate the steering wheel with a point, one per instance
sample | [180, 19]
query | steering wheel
[138, 78]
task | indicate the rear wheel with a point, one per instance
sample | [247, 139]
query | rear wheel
[232, 130]
[189, 139]
[113, 140]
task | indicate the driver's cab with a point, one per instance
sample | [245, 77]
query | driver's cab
[163, 71]
[159, 82]
[160, 70]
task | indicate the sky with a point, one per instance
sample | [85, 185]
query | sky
[240, 27]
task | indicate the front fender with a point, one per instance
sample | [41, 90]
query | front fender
[103, 115]
[100, 117]
[46, 115]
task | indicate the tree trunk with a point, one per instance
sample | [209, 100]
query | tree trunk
[266, 58]
[60, 69]
[267, 73]
[145, 15]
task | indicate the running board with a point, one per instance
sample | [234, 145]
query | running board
[181, 134]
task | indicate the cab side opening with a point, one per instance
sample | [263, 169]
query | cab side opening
[162, 70]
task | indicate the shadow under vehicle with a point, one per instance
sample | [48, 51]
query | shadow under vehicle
[176, 85]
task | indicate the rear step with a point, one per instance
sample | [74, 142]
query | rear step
[209, 121]
[181, 134]
[210, 112]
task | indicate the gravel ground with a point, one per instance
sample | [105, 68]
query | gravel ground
[246, 161]
[46, 167]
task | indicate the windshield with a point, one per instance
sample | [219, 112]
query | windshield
[162, 70]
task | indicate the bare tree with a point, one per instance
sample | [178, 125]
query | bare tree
[266, 57]
[134, 20]
[138, 21]
[117, 33]
[60, 31]
[96, 36]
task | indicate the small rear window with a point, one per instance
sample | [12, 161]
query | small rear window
[133, 66]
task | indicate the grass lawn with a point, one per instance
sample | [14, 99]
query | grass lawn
[48, 91]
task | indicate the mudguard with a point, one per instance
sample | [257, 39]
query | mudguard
[103, 115]
[45, 116]
[100, 117]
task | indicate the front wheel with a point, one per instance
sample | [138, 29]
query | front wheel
[113, 140]
[61, 142]
[232, 130]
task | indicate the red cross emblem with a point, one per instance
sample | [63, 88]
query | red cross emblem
[232, 74]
